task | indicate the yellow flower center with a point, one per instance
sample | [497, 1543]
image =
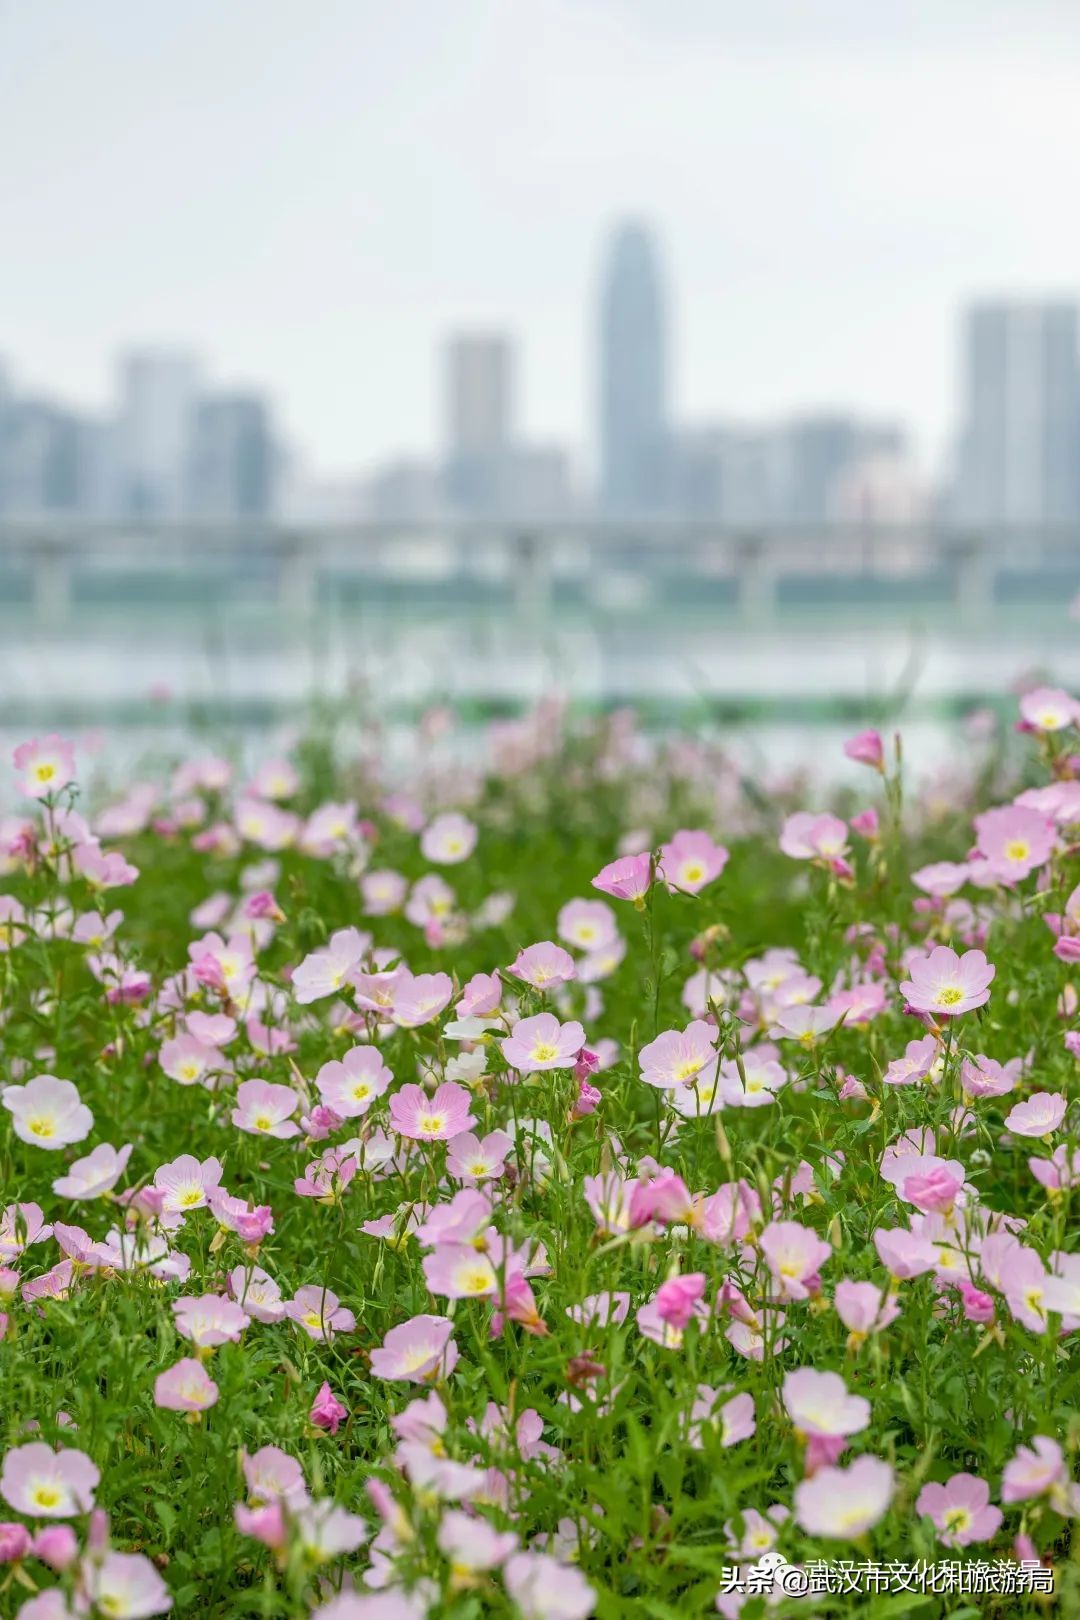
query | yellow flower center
[263, 1123]
[1018, 850]
[949, 995]
[45, 1496]
[431, 1123]
[42, 1127]
[543, 1053]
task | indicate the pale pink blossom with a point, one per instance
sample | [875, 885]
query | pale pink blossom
[794, 1254]
[265, 1109]
[185, 1387]
[1048, 708]
[350, 1086]
[448, 840]
[588, 925]
[95, 1175]
[544, 1589]
[48, 1484]
[960, 1509]
[186, 1182]
[947, 985]
[819, 1403]
[691, 861]
[419, 1351]
[842, 1503]
[209, 1320]
[1040, 1115]
[420, 997]
[471, 1160]
[628, 878]
[678, 1056]
[431, 1119]
[48, 1113]
[317, 1311]
[47, 764]
[544, 964]
[541, 1042]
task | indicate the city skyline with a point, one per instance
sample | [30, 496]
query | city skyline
[830, 184]
[174, 445]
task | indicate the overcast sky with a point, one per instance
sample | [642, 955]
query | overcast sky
[313, 194]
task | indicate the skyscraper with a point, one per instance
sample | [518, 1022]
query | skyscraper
[479, 419]
[1019, 452]
[157, 410]
[633, 376]
[232, 459]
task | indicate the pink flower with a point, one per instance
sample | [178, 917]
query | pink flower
[318, 1312]
[675, 1299]
[1035, 1470]
[209, 1320]
[95, 1175]
[960, 1510]
[481, 996]
[1040, 1115]
[917, 1062]
[866, 824]
[628, 878]
[864, 1308]
[472, 1160]
[14, 1542]
[47, 1113]
[418, 1351]
[843, 1503]
[936, 1189]
[47, 765]
[418, 998]
[185, 1387]
[541, 1042]
[237, 1215]
[448, 840]
[904, 1253]
[983, 1077]
[941, 877]
[866, 749]
[806, 1025]
[588, 925]
[691, 861]
[459, 1271]
[264, 1109]
[1060, 1170]
[544, 1589]
[471, 1543]
[1014, 841]
[1048, 708]
[947, 985]
[678, 1056]
[323, 973]
[350, 1086]
[544, 964]
[807, 837]
[57, 1545]
[793, 1254]
[126, 1584]
[818, 1403]
[327, 1411]
[186, 1182]
[257, 1293]
[190, 1061]
[431, 1119]
[384, 892]
[48, 1484]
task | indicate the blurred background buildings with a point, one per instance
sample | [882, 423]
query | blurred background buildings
[176, 448]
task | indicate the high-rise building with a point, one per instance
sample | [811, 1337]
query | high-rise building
[633, 376]
[821, 450]
[158, 390]
[231, 465]
[1019, 451]
[479, 419]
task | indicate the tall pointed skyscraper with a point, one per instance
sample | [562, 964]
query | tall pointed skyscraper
[633, 376]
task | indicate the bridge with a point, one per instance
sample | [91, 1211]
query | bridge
[249, 622]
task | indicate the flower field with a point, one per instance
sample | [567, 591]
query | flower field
[588, 1184]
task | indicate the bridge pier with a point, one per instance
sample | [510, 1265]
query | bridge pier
[757, 580]
[298, 580]
[50, 569]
